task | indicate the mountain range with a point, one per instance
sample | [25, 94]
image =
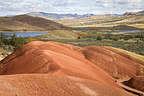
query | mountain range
[134, 19]
[59, 16]
[41, 21]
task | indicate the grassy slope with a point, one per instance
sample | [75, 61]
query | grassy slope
[137, 56]
[28, 23]
[59, 34]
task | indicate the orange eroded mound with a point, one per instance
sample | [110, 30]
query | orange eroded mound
[52, 58]
[118, 64]
[51, 64]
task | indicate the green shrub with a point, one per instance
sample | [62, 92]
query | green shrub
[115, 38]
[126, 37]
[99, 38]
[6, 41]
[1, 42]
[17, 42]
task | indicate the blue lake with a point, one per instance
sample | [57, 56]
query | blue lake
[130, 31]
[23, 34]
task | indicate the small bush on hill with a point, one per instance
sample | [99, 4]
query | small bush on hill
[115, 38]
[99, 38]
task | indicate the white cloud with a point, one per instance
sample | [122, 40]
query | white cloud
[11, 7]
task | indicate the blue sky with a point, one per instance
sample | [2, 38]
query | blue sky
[14, 7]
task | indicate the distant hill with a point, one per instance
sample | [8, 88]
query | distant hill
[59, 16]
[28, 23]
[124, 27]
[140, 13]
[97, 19]
[134, 19]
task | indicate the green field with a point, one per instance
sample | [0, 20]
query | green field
[133, 42]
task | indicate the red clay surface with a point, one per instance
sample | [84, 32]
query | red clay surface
[116, 63]
[137, 83]
[56, 69]
[52, 85]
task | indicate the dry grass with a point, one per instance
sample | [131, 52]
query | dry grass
[137, 56]
[60, 34]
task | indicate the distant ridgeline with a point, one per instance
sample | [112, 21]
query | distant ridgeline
[28, 23]
[58, 16]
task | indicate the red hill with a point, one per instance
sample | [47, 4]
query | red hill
[56, 69]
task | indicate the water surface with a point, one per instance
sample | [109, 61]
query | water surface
[23, 34]
[130, 31]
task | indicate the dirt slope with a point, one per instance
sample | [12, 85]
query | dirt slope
[116, 63]
[52, 58]
[51, 68]
[51, 85]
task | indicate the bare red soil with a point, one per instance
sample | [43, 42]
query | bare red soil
[56, 69]
[116, 63]
[136, 82]
[52, 85]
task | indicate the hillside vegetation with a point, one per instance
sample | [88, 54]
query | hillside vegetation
[28, 23]
[59, 34]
